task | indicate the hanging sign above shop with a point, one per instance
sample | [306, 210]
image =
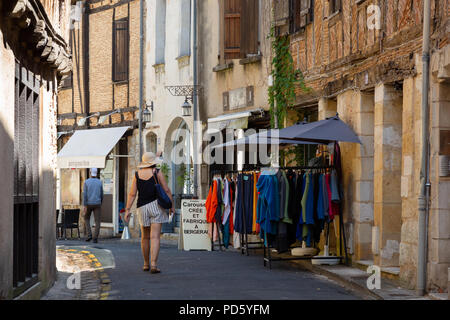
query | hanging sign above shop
[194, 225]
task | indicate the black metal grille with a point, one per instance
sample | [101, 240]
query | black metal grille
[26, 177]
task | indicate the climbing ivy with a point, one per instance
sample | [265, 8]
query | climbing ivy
[285, 78]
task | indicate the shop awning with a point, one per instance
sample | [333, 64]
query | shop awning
[269, 137]
[238, 120]
[89, 148]
[319, 132]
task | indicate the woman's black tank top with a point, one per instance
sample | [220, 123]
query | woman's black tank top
[146, 190]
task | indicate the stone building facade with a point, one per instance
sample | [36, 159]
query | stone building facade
[234, 66]
[104, 90]
[362, 59]
[169, 63]
[34, 57]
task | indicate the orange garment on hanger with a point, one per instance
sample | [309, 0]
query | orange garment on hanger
[257, 228]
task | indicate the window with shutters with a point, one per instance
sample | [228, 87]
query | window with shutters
[66, 83]
[335, 6]
[160, 32]
[120, 50]
[185, 29]
[301, 13]
[241, 28]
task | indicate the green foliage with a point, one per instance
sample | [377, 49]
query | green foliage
[298, 155]
[184, 175]
[285, 79]
[165, 169]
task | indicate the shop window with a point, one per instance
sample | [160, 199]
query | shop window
[120, 50]
[301, 13]
[241, 28]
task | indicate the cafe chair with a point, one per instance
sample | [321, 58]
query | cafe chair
[59, 226]
[71, 217]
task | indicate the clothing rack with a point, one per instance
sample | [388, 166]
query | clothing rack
[267, 248]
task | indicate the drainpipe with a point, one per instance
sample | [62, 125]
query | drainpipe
[195, 98]
[141, 74]
[424, 172]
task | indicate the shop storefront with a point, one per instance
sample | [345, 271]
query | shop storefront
[286, 209]
[105, 149]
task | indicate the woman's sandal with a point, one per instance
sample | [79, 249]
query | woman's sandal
[154, 270]
[145, 268]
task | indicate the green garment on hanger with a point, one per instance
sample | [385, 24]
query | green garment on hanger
[286, 218]
[304, 200]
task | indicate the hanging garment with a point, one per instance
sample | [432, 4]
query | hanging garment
[325, 202]
[226, 201]
[219, 210]
[294, 206]
[239, 206]
[330, 206]
[268, 203]
[286, 218]
[320, 199]
[232, 194]
[335, 193]
[281, 193]
[254, 202]
[211, 202]
[319, 217]
[226, 214]
[302, 229]
[236, 234]
[248, 203]
[310, 204]
[335, 197]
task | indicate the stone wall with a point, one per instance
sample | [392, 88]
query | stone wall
[357, 110]
[439, 221]
[410, 180]
[6, 163]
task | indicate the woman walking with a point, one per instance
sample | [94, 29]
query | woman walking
[151, 216]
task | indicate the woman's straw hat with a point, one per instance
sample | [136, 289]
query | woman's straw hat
[149, 159]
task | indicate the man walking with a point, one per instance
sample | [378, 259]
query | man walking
[92, 201]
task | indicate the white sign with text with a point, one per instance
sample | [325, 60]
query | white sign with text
[194, 225]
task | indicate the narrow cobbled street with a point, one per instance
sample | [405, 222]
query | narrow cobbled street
[111, 269]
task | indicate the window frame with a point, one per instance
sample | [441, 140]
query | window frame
[249, 42]
[335, 8]
[305, 11]
[126, 43]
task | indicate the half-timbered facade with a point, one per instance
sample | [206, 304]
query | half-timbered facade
[363, 60]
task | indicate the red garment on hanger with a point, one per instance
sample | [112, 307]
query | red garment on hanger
[211, 203]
